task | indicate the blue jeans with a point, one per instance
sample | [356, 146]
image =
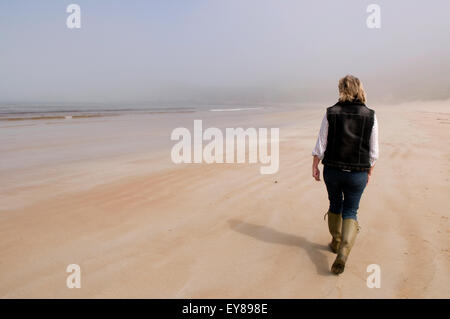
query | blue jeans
[344, 190]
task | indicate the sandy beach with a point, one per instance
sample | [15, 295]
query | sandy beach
[103, 193]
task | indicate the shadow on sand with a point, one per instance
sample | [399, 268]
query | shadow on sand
[314, 251]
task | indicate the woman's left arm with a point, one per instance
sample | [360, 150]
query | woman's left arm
[374, 149]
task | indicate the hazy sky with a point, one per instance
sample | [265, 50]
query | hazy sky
[221, 51]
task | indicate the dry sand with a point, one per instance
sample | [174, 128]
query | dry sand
[140, 226]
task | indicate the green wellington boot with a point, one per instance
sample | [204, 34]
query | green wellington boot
[335, 226]
[349, 231]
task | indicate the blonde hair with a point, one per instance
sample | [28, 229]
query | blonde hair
[351, 89]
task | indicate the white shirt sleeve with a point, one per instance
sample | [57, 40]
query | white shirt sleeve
[321, 143]
[374, 150]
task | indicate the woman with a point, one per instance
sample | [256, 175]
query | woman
[348, 147]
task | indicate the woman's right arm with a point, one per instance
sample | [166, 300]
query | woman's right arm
[319, 149]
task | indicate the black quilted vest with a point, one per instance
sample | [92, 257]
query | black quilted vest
[349, 129]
